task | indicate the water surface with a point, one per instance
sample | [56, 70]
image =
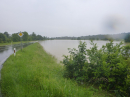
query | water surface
[58, 48]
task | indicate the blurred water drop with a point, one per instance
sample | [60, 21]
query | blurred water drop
[113, 23]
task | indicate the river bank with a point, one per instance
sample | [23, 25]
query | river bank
[5, 44]
[35, 73]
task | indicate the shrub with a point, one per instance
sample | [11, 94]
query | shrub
[107, 67]
[75, 62]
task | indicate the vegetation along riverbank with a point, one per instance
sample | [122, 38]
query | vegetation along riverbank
[8, 39]
[4, 44]
[34, 73]
[108, 67]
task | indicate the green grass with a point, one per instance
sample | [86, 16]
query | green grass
[34, 73]
[3, 44]
[127, 43]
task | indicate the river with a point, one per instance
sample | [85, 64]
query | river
[58, 48]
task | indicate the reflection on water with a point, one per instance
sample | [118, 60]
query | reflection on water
[6, 51]
[58, 48]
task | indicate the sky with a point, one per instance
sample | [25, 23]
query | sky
[55, 18]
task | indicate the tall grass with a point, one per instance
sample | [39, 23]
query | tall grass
[34, 73]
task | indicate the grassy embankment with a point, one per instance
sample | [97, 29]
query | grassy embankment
[34, 73]
[127, 43]
[3, 44]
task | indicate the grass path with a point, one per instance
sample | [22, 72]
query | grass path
[34, 73]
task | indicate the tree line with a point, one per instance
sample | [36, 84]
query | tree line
[127, 38]
[6, 37]
[121, 36]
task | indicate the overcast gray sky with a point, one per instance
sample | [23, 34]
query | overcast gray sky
[65, 17]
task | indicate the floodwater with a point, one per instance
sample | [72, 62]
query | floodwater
[58, 48]
[6, 51]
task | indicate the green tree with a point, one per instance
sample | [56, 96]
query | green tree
[45, 38]
[6, 34]
[34, 37]
[39, 37]
[30, 38]
[78, 38]
[8, 39]
[3, 38]
[15, 37]
[25, 36]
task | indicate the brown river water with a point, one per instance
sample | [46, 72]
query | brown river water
[58, 48]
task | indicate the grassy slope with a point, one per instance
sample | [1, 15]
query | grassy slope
[34, 73]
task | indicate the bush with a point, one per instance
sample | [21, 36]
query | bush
[75, 62]
[107, 67]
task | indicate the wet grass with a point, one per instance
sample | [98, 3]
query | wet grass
[34, 73]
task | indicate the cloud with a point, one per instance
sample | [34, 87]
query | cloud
[65, 17]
